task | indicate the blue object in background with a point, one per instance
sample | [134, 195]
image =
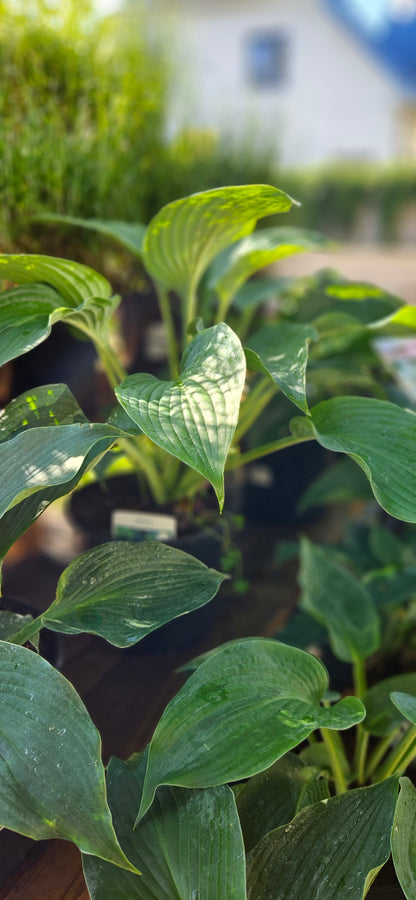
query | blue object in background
[388, 29]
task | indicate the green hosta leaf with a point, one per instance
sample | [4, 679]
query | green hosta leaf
[185, 236]
[256, 251]
[124, 591]
[52, 780]
[338, 600]
[381, 438]
[50, 404]
[329, 295]
[84, 300]
[391, 590]
[188, 846]
[406, 704]
[386, 547]
[195, 417]
[239, 712]
[257, 291]
[327, 850]
[129, 234]
[75, 282]
[382, 716]
[11, 623]
[50, 457]
[25, 318]
[403, 838]
[272, 798]
[280, 350]
[341, 482]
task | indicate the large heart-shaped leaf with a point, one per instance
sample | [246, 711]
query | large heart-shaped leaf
[338, 600]
[403, 838]
[327, 850]
[242, 709]
[188, 846]
[124, 591]
[273, 797]
[382, 715]
[52, 781]
[256, 251]
[381, 438]
[280, 350]
[195, 417]
[129, 234]
[84, 299]
[186, 235]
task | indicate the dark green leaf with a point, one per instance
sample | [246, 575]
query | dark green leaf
[195, 417]
[382, 716]
[280, 350]
[403, 838]
[340, 602]
[188, 846]
[11, 623]
[406, 704]
[50, 404]
[124, 591]
[271, 798]
[381, 438]
[25, 318]
[257, 291]
[327, 850]
[240, 711]
[52, 780]
[341, 482]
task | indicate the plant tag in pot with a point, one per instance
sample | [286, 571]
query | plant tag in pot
[128, 525]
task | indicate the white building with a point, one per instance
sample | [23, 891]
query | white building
[290, 76]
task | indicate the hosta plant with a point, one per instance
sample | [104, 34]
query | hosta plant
[170, 813]
[183, 432]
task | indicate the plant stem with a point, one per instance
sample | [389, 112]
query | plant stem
[240, 459]
[399, 758]
[362, 737]
[166, 313]
[360, 678]
[224, 303]
[333, 751]
[380, 751]
[144, 462]
[244, 324]
[27, 632]
[254, 404]
[113, 368]
[188, 312]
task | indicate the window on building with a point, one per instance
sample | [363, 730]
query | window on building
[266, 58]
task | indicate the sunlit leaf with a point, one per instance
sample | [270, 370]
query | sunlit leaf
[195, 417]
[256, 251]
[52, 780]
[240, 711]
[406, 704]
[186, 235]
[280, 350]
